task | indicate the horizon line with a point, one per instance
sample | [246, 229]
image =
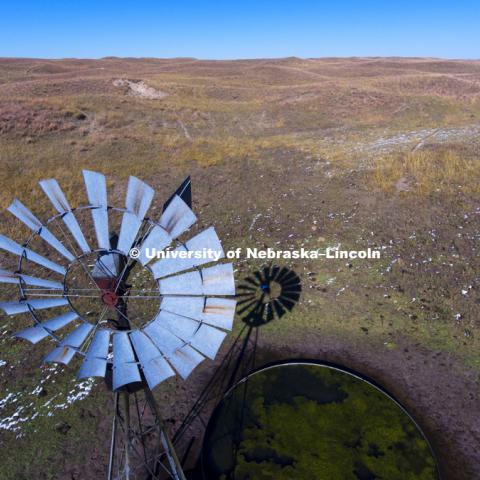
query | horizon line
[201, 59]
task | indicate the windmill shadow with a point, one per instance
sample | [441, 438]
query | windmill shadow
[268, 294]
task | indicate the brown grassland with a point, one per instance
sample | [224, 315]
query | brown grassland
[362, 152]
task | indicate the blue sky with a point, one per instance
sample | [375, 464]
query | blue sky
[239, 29]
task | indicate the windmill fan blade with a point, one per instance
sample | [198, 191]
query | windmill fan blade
[128, 231]
[184, 191]
[31, 221]
[137, 203]
[154, 366]
[96, 185]
[218, 312]
[69, 345]
[184, 360]
[60, 355]
[95, 363]
[216, 280]
[157, 240]
[13, 247]
[208, 340]
[33, 334]
[78, 336]
[204, 247]
[44, 329]
[177, 217]
[164, 340]
[125, 368]
[204, 338]
[59, 322]
[10, 277]
[182, 327]
[59, 201]
[12, 308]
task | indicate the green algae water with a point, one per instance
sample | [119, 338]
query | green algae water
[304, 421]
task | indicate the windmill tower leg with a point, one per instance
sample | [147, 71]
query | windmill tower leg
[127, 444]
[140, 446]
[111, 459]
[173, 461]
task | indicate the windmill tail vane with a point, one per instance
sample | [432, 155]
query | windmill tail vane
[86, 293]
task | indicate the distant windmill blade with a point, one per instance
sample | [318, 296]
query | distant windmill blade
[31, 221]
[96, 185]
[18, 278]
[138, 200]
[13, 247]
[59, 201]
[184, 191]
[206, 241]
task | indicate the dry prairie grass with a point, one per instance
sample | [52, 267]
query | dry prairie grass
[426, 172]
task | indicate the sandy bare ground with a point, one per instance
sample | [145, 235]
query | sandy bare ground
[140, 89]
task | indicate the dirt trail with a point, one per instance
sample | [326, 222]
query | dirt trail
[416, 139]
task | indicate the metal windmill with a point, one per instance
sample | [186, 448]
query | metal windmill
[133, 320]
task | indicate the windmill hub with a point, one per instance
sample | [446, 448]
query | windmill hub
[110, 298]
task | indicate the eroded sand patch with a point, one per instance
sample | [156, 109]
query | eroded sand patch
[138, 88]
